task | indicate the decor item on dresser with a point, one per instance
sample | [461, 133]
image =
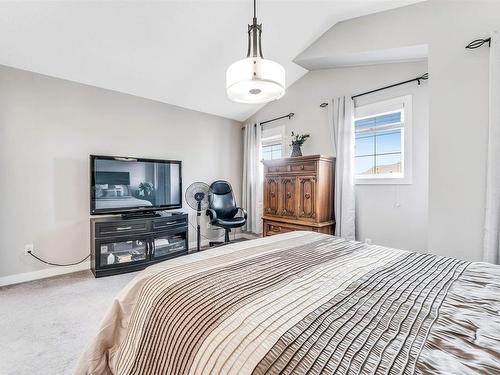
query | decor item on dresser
[298, 194]
[297, 142]
[197, 195]
[222, 209]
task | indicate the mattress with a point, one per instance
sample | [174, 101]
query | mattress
[303, 303]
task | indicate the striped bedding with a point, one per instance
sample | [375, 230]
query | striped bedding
[303, 303]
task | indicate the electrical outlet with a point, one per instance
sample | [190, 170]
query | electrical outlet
[28, 248]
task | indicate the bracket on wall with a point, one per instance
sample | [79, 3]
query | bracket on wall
[290, 115]
[478, 43]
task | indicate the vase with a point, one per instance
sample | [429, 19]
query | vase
[296, 151]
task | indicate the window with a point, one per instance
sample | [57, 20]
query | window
[271, 151]
[378, 145]
[382, 141]
[272, 142]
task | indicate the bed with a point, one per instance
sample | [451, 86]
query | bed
[303, 303]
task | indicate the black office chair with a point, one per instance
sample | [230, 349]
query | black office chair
[222, 209]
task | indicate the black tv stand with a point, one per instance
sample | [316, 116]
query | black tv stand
[119, 245]
[139, 215]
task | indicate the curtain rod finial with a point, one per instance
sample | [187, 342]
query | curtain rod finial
[478, 43]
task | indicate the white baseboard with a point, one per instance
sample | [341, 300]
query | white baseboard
[42, 274]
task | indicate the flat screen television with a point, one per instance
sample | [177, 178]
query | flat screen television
[130, 185]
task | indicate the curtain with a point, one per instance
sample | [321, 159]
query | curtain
[491, 241]
[162, 183]
[341, 117]
[252, 177]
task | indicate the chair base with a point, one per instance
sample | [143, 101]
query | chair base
[216, 243]
[226, 239]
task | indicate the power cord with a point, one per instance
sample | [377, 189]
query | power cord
[88, 256]
[57, 264]
[210, 239]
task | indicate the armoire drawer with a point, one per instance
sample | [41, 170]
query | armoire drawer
[293, 168]
[275, 227]
[303, 167]
[278, 169]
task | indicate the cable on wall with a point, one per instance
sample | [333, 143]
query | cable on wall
[58, 264]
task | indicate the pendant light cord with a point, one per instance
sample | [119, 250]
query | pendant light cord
[254, 8]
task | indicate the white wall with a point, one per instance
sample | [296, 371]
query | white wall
[48, 128]
[458, 104]
[377, 216]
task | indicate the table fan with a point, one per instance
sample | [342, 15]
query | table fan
[197, 195]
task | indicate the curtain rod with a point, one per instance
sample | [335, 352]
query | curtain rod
[478, 43]
[290, 115]
[423, 77]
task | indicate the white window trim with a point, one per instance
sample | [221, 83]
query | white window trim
[274, 135]
[274, 140]
[388, 106]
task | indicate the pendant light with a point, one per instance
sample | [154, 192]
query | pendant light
[255, 79]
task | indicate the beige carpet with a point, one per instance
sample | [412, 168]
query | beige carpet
[45, 324]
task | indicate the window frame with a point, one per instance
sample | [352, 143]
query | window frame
[271, 143]
[274, 136]
[403, 103]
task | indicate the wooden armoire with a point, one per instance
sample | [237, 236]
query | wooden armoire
[298, 195]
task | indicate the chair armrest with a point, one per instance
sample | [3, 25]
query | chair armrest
[243, 211]
[212, 214]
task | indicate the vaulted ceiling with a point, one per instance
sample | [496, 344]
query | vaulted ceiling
[174, 52]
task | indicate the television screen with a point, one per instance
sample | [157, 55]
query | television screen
[128, 184]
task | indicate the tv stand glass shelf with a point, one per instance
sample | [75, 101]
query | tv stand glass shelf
[121, 245]
[123, 252]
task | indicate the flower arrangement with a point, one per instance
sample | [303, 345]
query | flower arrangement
[146, 189]
[297, 142]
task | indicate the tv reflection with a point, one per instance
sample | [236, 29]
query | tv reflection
[121, 184]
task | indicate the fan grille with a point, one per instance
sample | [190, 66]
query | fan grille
[197, 195]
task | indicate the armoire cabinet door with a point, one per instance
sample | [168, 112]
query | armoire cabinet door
[307, 197]
[271, 202]
[289, 197]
